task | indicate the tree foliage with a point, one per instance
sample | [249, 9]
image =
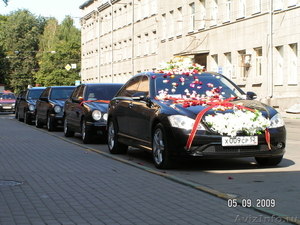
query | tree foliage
[60, 46]
[34, 50]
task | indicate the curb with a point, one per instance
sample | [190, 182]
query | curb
[216, 193]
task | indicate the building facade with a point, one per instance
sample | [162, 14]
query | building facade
[254, 43]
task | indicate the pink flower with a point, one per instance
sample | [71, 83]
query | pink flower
[153, 77]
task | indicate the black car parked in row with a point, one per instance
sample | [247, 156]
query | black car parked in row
[25, 104]
[195, 116]
[49, 106]
[85, 111]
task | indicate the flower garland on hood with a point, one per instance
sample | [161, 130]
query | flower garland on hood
[243, 119]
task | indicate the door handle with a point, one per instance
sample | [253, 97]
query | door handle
[130, 105]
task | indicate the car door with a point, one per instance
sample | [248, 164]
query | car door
[72, 107]
[43, 103]
[122, 103]
[140, 112]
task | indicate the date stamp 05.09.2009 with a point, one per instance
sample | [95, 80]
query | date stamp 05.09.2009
[247, 203]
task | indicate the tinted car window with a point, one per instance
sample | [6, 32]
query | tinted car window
[7, 96]
[130, 88]
[101, 93]
[34, 94]
[60, 93]
[144, 85]
[180, 86]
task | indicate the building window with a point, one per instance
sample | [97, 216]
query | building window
[202, 14]
[214, 13]
[154, 43]
[153, 7]
[278, 4]
[257, 6]
[139, 47]
[180, 21]
[228, 65]
[171, 32]
[293, 61]
[228, 11]
[192, 17]
[279, 66]
[292, 3]
[214, 63]
[242, 9]
[164, 27]
[146, 49]
[258, 62]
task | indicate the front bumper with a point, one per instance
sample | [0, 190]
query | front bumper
[7, 108]
[209, 145]
[96, 127]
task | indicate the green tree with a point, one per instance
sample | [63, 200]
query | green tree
[59, 46]
[4, 65]
[20, 40]
[5, 1]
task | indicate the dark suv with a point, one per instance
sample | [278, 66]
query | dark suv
[49, 106]
[25, 104]
[85, 111]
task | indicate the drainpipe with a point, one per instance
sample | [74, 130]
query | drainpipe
[112, 42]
[132, 40]
[270, 54]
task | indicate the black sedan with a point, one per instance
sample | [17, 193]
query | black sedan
[25, 104]
[85, 111]
[188, 116]
[49, 106]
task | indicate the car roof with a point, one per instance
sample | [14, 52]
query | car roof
[56, 87]
[102, 84]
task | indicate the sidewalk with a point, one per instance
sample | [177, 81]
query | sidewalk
[47, 180]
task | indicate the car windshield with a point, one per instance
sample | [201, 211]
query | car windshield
[182, 86]
[60, 93]
[34, 94]
[7, 96]
[101, 92]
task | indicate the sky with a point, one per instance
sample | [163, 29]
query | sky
[54, 8]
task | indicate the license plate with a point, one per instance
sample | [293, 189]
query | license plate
[239, 141]
[6, 107]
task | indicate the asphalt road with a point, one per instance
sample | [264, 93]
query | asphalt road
[277, 187]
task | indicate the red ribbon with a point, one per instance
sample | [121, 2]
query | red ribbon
[212, 105]
[105, 101]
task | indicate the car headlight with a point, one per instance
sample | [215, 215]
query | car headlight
[105, 116]
[183, 122]
[276, 121]
[57, 109]
[31, 107]
[96, 114]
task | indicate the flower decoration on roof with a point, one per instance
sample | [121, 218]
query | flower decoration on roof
[183, 65]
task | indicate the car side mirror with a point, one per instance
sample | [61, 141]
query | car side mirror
[251, 95]
[139, 96]
[77, 100]
[45, 99]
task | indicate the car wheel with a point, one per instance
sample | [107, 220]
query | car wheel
[38, 124]
[85, 135]
[161, 150]
[50, 124]
[268, 161]
[67, 131]
[114, 146]
[27, 118]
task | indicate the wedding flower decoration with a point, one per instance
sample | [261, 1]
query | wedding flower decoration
[178, 67]
[248, 122]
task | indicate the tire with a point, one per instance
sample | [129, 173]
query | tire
[50, 124]
[27, 118]
[271, 161]
[114, 146]
[38, 124]
[67, 131]
[86, 136]
[161, 150]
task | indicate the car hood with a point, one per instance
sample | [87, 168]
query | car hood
[102, 106]
[193, 111]
[61, 103]
[5, 101]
